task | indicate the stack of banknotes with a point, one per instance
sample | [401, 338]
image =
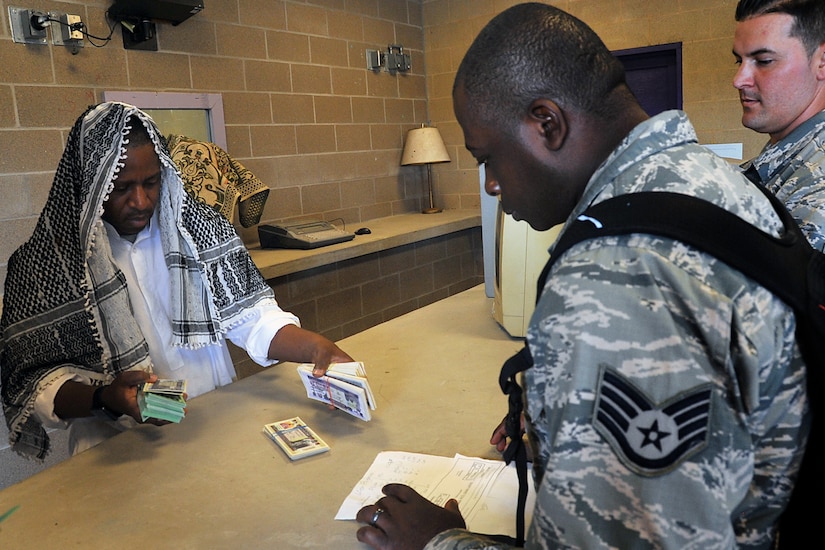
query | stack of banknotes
[295, 438]
[344, 386]
[163, 399]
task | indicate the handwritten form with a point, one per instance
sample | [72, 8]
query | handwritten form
[486, 490]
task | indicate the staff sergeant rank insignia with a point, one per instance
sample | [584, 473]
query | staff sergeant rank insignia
[651, 439]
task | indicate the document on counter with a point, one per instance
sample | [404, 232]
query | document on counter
[486, 490]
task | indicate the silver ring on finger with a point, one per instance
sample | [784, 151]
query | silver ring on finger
[376, 515]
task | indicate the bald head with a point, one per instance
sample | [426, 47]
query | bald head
[535, 50]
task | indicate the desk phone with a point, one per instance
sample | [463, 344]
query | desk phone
[303, 235]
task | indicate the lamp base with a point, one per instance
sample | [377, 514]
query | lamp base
[431, 211]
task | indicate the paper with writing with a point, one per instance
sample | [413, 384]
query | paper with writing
[486, 490]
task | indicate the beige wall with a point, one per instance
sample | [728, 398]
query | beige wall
[302, 111]
[705, 28]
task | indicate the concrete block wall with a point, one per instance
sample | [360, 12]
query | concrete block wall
[302, 111]
[704, 27]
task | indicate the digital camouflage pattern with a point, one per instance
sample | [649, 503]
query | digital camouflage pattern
[792, 169]
[667, 393]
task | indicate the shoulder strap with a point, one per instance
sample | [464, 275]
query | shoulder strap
[777, 263]
[787, 265]
[508, 381]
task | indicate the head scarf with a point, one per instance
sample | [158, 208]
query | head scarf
[66, 306]
[212, 176]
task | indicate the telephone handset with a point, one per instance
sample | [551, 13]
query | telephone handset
[303, 235]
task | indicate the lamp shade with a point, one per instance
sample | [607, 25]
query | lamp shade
[424, 146]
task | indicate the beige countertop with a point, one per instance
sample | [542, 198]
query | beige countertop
[215, 481]
[386, 233]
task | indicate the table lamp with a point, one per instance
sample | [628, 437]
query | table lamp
[425, 146]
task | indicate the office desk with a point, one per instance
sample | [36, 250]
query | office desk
[215, 481]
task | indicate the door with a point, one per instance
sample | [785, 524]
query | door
[654, 74]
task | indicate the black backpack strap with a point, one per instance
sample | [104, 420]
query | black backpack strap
[516, 450]
[508, 381]
[774, 262]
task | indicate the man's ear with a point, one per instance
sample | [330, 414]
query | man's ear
[550, 120]
[819, 57]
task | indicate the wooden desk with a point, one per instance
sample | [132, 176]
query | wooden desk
[215, 481]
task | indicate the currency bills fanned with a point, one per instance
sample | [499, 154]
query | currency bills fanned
[295, 438]
[163, 399]
[345, 386]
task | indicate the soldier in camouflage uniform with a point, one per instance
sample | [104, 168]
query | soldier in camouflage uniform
[780, 46]
[666, 402]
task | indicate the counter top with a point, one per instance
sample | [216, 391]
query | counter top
[216, 481]
[387, 233]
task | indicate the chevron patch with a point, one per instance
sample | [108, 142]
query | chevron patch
[651, 439]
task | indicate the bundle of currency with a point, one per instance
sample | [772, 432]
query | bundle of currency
[344, 386]
[295, 438]
[163, 399]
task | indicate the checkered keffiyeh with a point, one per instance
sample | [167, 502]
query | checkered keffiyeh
[66, 306]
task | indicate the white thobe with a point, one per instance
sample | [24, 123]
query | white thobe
[204, 368]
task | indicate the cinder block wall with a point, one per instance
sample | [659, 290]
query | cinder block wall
[302, 111]
[705, 28]
[344, 298]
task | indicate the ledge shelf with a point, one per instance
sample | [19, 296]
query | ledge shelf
[389, 232]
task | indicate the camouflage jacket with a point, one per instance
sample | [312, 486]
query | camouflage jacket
[667, 399]
[793, 170]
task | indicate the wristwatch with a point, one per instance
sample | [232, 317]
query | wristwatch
[99, 409]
